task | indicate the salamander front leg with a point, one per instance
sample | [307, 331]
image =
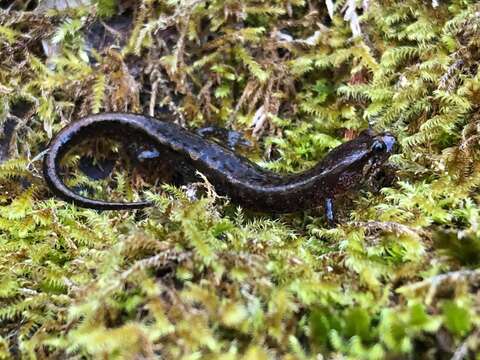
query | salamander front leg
[231, 138]
[329, 212]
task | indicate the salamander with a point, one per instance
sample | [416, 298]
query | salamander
[344, 168]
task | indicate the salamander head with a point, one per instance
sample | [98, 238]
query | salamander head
[360, 155]
[379, 148]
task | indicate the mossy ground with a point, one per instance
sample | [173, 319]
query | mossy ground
[202, 279]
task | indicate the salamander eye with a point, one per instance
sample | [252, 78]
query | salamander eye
[378, 146]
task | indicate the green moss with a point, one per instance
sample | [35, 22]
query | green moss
[396, 278]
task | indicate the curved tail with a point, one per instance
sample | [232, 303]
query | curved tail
[60, 145]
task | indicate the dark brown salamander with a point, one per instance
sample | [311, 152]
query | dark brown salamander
[246, 183]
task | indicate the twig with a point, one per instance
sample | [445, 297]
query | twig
[437, 282]
[389, 226]
[462, 350]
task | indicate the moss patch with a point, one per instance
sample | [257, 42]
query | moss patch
[202, 279]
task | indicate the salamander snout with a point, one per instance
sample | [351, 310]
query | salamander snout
[389, 141]
[384, 144]
[381, 147]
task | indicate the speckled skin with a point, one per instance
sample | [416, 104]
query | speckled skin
[247, 184]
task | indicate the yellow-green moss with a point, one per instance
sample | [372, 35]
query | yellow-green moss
[201, 279]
